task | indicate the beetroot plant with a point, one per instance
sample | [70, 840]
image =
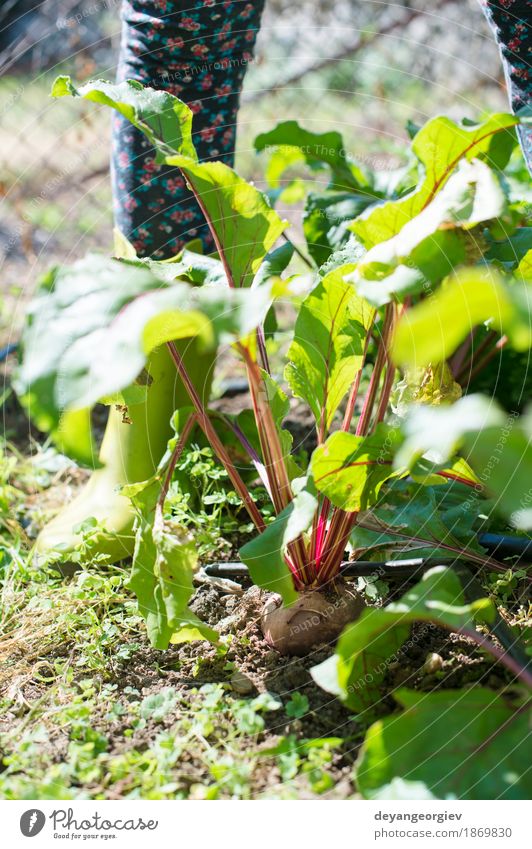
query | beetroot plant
[378, 246]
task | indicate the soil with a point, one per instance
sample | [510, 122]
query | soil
[258, 669]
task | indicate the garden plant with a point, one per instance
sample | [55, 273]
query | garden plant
[412, 288]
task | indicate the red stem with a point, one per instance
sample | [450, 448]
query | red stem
[385, 393]
[511, 663]
[176, 454]
[382, 354]
[353, 394]
[488, 357]
[342, 523]
[209, 431]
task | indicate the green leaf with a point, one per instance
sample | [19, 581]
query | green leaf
[524, 269]
[429, 246]
[163, 118]
[325, 221]
[492, 441]
[264, 555]
[350, 253]
[92, 325]
[163, 565]
[425, 521]
[350, 470]
[272, 266]
[366, 647]
[514, 251]
[188, 265]
[458, 744]
[439, 146]
[71, 303]
[245, 225]
[432, 330]
[297, 706]
[274, 263]
[316, 149]
[157, 706]
[188, 627]
[328, 343]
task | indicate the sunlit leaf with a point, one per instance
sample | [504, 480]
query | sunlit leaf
[432, 330]
[328, 343]
[163, 118]
[350, 470]
[439, 146]
[433, 243]
[245, 225]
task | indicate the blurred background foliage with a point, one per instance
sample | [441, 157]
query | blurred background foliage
[363, 67]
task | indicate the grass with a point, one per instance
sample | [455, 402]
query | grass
[87, 709]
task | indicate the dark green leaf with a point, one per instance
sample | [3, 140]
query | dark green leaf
[497, 446]
[325, 219]
[421, 520]
[511, 251]
[264, 555]
[458, 744]
[274, 263]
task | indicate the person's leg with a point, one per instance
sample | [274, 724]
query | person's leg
[512, 27]
[198, 51]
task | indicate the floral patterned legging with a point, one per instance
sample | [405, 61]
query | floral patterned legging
[199, 50]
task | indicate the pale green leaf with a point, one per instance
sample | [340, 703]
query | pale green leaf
[433, 243]
[439, 146]
[432, 330]
[328, 343]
